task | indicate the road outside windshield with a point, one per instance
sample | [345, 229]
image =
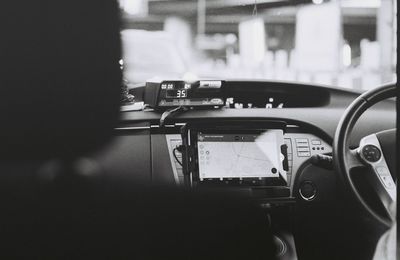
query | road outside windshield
[344, 43]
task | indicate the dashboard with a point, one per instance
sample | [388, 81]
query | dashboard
[143, 150]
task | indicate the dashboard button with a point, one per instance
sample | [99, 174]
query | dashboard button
[302, 145]
[304, 154]
[308, 190]
[381, 170]
[316, 142]
[371, 153]
[303, 149]
[387, 181]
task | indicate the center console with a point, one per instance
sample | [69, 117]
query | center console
[262, 146]
[257, 158]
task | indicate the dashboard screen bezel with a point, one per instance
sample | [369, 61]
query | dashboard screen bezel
[190, 160]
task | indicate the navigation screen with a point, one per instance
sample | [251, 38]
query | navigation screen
[240, 155]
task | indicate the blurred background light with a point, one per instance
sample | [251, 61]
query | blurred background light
[346, 55]
[317, 2]
[135, 7]
[361, 3]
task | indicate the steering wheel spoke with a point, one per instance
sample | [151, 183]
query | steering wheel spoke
[379, 175]
[353, 159]
[384, 186]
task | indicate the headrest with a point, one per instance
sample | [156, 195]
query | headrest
[59, 76]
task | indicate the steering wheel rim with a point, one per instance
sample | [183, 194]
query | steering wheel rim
[343, 157]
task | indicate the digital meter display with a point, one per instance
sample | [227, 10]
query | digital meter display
[177, 93]
[173, 93]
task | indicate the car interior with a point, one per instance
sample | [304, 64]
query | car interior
[94, 164]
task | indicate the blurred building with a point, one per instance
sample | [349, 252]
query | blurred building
[346, 43]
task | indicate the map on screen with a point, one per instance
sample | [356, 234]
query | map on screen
[240, 155]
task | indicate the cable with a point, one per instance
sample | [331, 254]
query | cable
[170, 113]
[176, 157]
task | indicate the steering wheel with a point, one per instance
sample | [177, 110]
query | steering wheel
[376, 152]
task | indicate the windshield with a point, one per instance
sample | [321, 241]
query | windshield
[343, 43]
